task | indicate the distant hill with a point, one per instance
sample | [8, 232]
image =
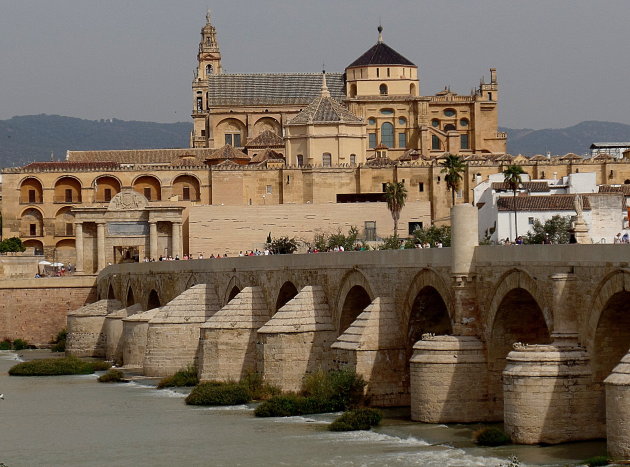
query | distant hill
[34, 137]
[576, 139]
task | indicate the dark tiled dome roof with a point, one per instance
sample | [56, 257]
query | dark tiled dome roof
[381, 54]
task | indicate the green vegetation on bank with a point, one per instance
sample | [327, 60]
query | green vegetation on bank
[59, 342]
[596, 461]
[491, 436]
[183, 378]
[17, 344]
[112, 376]
[10, 245]
[57, 366]
[322, 392]
[357, 419]
[251, 387]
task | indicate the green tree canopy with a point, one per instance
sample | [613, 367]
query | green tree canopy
[12, 244]
[395, 195]
[555, 230]
[453, 166]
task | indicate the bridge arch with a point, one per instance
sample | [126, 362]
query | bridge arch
[428, 308]
[153, 301]
[131, 300]
[609, 324]
[354, 295]
[286, 293]
[515, 315]
[232, 290]
[111, 295]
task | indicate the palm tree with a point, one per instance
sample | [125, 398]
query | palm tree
[395, 195]
[512, 178]
[453, 166]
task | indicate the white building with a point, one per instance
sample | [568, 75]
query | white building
[603, 212]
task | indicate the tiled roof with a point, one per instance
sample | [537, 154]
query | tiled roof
[475, 157]
[534, 187]
[381, 54]
[266, 154]
[625, 189]
[271, 89]
[187, 161]
[227, 152]
[379, 162]
[540, 203]
[138, 156]
[324, 110]
[410, 155]
[570, 157]
[611, 145]
[71, 166]
[538, 157]
[267, 139]
[603, 156]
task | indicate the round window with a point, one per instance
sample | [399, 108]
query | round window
[435, 122]
[449, 112]
[463, 122]
[402, 121]
[387, 111]
[371, 121]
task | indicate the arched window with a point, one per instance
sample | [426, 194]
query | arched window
[209, 70]
[412, 89]
[449, 127]
[326, 159]
[435, 123]
[353, 159]
[383, 89]
[387, 134]
[353, 90]
[300, 160]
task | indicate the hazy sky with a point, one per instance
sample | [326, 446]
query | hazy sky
[559, 62]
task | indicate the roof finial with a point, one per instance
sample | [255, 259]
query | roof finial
[325, 92]
[209, 16]
[380, 31]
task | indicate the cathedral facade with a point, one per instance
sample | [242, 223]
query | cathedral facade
[380, 90]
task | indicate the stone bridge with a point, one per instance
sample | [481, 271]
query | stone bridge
[529, 335]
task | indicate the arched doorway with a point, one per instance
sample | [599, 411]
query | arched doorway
[153, 301]
[357, 300]
[186, 188]
[37, 245]
[286, 293]
[67, 190]
[31, 191]
[519, 318]
[106, 187]
[31, 223]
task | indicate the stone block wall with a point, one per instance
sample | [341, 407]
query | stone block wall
[35, 309]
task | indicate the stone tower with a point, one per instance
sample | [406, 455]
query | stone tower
[208, 64]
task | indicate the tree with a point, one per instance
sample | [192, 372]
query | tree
[283, 245]
[453, 166]
[12, 244]
[512, 178]
[433, 235]
[555, 230]
[395, 195]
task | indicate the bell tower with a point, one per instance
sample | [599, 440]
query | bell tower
[209, 55]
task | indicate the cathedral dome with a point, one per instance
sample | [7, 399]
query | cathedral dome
[381, 54]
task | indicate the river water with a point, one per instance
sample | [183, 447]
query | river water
[76, 421]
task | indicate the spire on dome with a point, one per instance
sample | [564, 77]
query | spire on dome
[380, 33]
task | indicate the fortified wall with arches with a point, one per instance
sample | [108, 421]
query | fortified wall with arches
[529, 335]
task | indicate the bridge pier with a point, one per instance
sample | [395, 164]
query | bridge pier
[549, 395]
[449, 380]
[135, 329]
[228, 338]
[85, 329]
[297, 340]
[373, 347]
[173, 334]
[113, 330]
[618, 410]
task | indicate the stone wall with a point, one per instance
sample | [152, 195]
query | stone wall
[35, 309]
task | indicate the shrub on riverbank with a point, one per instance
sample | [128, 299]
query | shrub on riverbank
[214, 393]
[357, 419]
[17, 344]
[596, 461]
[57, 366]
[183, 378]
[112, 376]
[491, 436]
[258, 389]
[322, 392]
